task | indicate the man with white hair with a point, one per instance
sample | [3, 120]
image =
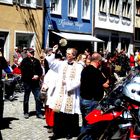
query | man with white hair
[16, 53]
[24, 52]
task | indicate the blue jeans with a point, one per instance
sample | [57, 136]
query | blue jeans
[28, 87]
[86, 107]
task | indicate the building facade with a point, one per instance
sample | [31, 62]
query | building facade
[137, 26]
[21, 25]
[114, 23]
[110, 21]
[71, 20]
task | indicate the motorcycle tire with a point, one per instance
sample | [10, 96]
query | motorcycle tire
[85, 136]
[90, 136]
[100, 132]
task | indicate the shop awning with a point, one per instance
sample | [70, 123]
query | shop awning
[77, 37]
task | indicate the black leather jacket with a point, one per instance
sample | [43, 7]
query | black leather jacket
[29, 68]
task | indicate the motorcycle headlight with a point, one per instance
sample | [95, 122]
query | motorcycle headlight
[132, 91]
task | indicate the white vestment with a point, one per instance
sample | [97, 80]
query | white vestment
[50, 80]
[67, 96]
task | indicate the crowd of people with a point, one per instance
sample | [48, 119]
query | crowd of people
[79, 83]
[73, 84]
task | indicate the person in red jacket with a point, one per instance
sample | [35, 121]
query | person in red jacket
[16, 67]
[132, 61]
[17, 71]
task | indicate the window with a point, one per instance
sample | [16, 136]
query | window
[86, 9]
[28, 3]
[102, 6]
[16, 1]
[24, 2]
[39, 3]
[125, 44]
[138, 8]
[24, 39]
[73, 8]
[6, 1]
[126, 8]
[56, 9]
[113, 7]
[137, 34]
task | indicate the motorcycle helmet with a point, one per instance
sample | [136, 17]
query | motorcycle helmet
[132, 90]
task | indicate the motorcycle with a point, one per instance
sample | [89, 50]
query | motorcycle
[117, 116]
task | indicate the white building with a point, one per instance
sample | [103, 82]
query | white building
[137, 26]
[113, 22]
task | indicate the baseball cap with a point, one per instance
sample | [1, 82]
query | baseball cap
[31, 50]
[24, 48]
[15, 47]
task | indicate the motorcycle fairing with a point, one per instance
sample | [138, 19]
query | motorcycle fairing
[133, 135]
[97, 116]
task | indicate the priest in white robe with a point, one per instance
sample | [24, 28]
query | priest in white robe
[66, 100]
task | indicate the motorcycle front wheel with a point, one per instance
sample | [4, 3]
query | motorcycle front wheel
[85, 136]
[95, 132]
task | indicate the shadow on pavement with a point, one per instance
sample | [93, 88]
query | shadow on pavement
[4, 123]
[11, 98]
[32, 113]
[1, 136]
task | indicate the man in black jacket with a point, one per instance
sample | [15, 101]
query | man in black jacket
[3, 66]
[92, 87]
[31, 73]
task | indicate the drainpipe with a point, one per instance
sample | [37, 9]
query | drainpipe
[93, 23]
[93, 17]
[43, 32]
[134, 1]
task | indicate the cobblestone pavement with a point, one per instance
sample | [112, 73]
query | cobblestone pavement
[16, 127]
